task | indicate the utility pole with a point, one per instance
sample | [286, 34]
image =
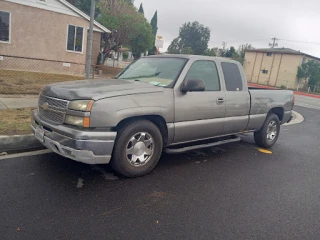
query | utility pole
[274, 42]
[224, 44]
[90, 37]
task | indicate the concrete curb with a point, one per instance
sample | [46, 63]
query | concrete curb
[297, 118]
[18, 143]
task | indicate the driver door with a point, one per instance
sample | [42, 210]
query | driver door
[200, 115]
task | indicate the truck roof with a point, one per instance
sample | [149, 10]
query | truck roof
[192, 57]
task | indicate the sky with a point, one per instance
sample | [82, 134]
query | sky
[242, 21]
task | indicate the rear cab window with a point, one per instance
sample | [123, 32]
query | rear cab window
[232, 76]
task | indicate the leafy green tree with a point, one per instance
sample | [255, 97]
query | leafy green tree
[141, 9]
[230, 52]
[193, 35]
[309, 71]
[211, 52]
[127, 26]
[175, 47]
[142, 40]
[187, 50]
[240, 54]
[154, 26]
[84, 6]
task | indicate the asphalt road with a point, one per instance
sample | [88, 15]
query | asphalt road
[307, 102]
[228, 192]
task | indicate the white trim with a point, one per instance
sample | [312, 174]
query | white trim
[7, 42]
[75, 31]
[69, 5]
[42, 1]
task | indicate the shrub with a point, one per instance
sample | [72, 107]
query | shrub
[125, 55]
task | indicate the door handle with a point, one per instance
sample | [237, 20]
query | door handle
[220, 100]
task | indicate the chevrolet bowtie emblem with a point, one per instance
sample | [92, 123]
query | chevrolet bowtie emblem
[45, 106]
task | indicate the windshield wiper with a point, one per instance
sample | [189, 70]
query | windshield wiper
[143, 76]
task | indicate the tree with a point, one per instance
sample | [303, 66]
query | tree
[142, 41]
[175, 47]
[241, 52]
[141, 9]
[193, 35]
[126, 24]
[230, 52]
[154, 26]
[211, 52]
[187, 50]
[84, 6]
[309, 71]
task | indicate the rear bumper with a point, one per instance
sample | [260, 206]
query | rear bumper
[89, 147]
[290, 119]
[287, 117]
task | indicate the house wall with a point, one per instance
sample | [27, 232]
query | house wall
[40, 34]
[282, 68]
[51, 5]
[95, 47]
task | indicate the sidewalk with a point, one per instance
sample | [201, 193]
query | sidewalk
[14, 101]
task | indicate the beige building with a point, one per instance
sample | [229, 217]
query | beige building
[45, 35]
[275, 66]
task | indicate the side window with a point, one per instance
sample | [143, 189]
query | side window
[207, 72]
[232, 76]
[4, 26]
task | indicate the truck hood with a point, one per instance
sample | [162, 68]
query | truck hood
[98, 89]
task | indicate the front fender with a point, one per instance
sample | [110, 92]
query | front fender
[110, 111]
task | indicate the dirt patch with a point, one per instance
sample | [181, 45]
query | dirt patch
[15, 121]
[22, 82]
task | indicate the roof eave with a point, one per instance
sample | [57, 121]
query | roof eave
[69, 5]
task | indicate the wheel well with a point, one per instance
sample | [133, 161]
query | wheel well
[278, 111]
[156, 119]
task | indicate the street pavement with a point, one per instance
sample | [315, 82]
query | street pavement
[308, 102]
[232, 191]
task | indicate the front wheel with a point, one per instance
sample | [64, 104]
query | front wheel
[137, 149]
[268, 135]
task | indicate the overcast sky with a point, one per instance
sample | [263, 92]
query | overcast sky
[242, 21]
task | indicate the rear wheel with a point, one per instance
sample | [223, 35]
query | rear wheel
[137, 149]
[268, 135]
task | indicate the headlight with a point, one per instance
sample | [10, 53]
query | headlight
[77, 121]
[81, 105]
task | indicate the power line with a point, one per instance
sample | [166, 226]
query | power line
[298, 41]
[274, 43]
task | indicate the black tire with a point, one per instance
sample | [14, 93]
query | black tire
[120, 162]
[261, 136]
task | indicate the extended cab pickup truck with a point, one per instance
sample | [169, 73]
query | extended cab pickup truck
[171, 103]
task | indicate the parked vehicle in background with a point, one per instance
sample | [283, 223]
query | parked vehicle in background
[171, 103]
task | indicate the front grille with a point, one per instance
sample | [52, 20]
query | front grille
[53, 102]
[52, 116]
[56, 109]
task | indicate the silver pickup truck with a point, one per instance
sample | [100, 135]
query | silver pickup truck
[171, 103]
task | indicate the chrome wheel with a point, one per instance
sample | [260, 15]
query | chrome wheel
[140, 149]
[272, 131]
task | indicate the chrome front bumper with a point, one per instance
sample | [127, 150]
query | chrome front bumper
[89, 147]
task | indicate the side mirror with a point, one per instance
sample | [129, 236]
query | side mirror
[193, 86]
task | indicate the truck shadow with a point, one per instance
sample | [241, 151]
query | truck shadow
[81, 175]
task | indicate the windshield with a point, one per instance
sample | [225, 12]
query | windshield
[157, 71]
